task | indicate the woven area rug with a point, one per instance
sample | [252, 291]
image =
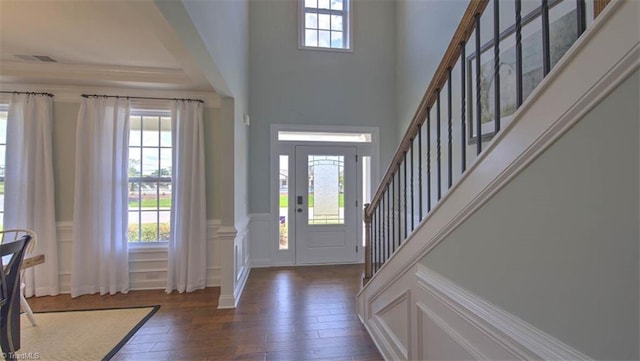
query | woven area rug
[81, 335]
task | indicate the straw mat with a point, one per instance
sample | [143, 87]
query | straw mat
[80, 335]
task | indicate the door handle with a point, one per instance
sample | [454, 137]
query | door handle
[299, 210]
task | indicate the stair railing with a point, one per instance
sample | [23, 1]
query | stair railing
[410, 188]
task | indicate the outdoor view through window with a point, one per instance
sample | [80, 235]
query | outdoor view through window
[325, 24]
[3, 146]
[149, 177]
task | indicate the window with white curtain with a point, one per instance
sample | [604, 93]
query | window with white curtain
[3, 146]
[325, 24]
[150, 164]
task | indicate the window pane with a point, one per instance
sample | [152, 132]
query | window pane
[3, 127]
[336, 39]
[311, 20]
[165, 134]
[164, 226]
[326, 185]
[286, 135]
[165, 195]
[150, 136]
[135, 133]
[311, 3]
[1, 203]
[150, 162]
[284, 202]
[2, 159]
[149, 226]
[134, 226]
[165, 162]
[311, 37]
[134, 196]
[323, 4]
[336, 4]
[149, 195]
[324, 21]
[323, 38]
[336, 22]
[134, 162]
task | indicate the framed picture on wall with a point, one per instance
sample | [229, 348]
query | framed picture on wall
[563, 33]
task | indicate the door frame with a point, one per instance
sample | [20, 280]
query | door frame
[287, 257]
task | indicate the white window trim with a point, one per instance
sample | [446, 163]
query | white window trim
[158, 245]
[348, 9]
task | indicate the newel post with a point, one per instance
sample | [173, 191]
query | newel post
[367, 245]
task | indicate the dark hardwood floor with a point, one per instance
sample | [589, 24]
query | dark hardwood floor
[292, 313]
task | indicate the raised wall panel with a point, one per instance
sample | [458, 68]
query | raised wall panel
[435, 340]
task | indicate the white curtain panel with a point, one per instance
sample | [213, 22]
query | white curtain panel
[187, 244]
[100, 255]
[29, 192]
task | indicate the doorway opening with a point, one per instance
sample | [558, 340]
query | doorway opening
[321, 179]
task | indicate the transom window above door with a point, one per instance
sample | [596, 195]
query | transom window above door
[325, 24]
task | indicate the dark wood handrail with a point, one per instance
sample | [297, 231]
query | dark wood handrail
[462, 34]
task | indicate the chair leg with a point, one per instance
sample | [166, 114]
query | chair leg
[26, 308]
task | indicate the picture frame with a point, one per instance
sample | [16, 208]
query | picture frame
[563, 31]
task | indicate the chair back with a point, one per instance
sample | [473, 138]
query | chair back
[11, 257]
[14, 234]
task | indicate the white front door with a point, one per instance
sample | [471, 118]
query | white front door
[325, 204]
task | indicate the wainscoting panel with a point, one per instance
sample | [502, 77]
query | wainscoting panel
[436, 341]
[389, 319]
[147, 266]
[65, 238]
[424, 316]
[260, 239]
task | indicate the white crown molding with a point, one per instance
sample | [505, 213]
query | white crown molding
[65, 71]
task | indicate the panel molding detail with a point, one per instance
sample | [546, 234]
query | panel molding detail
[148, 265]
[481, 328]
[398, 343]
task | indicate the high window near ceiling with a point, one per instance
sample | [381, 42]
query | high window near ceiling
[150, 164]
[325, 24]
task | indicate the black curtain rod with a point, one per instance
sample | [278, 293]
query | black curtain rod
[29, 93]
[130, 97]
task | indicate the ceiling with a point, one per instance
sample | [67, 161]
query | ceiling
[96, 43]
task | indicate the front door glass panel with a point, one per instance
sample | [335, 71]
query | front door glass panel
[326, 189]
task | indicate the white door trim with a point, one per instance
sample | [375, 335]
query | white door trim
[287, 257]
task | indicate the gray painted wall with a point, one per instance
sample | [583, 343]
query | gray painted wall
[217, 34]
[293, 86]
[424, 30]
[558, 246]
[218, 138]
[224, 27]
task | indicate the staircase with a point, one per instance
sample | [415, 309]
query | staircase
[506, 225]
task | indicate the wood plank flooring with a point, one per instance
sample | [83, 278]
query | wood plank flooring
[292, 313]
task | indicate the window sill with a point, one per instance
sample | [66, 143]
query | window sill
[146, 247]
[331, 50]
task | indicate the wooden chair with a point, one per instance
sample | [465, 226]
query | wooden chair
[10, 293]
[12, 235]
